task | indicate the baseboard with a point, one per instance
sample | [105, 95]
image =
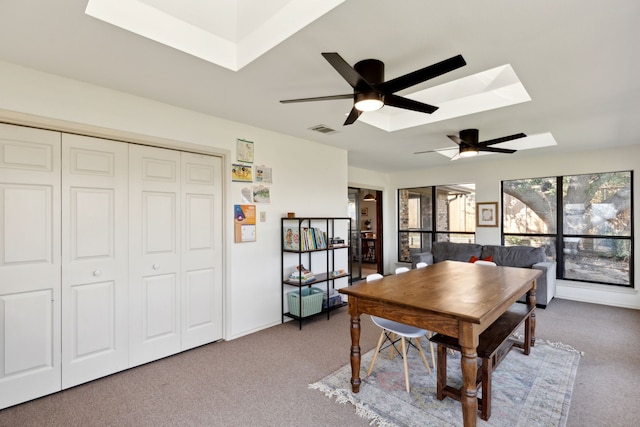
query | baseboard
[542, 306]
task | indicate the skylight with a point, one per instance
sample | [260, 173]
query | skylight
[229, 33]
[494, 88]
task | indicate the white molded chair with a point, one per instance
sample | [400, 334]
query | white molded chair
[400, 270]
[483, 262]
[405, 332]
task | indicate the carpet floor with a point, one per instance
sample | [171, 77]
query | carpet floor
[532, 390]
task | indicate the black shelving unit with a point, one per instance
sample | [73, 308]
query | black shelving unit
[318, 257]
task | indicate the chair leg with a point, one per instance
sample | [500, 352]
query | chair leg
[424, 359]
[433, 353]
[392, 347]
[375, 353]
[406, 366]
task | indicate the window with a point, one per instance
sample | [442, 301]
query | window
[421, 221]
[584, 220]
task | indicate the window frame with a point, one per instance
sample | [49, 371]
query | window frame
[429, 233]
[559, 236]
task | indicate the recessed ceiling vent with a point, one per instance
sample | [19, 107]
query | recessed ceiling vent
[323, 129]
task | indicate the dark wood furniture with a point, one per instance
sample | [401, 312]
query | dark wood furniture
[457, 299]
[368, 250]
[495, 343]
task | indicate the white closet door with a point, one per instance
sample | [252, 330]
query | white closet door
[30, 263]
[94, 258]
[201, 262]
[154, 253]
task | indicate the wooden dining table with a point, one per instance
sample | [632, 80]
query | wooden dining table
[458, 299]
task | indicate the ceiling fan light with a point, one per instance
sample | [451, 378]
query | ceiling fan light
[369, 198]
[369, 101]
[468, 151]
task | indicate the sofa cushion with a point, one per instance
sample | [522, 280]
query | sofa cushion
[514, 256]
[443, 251]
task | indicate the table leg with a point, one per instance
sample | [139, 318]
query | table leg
[526, 348]
[441, 381]
[469, 392]
[355, 353]
[468, 341]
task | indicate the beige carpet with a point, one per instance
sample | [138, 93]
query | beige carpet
[263, 379]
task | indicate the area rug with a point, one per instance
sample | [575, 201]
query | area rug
[532, 390]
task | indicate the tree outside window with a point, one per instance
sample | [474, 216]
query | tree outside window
[586, 226]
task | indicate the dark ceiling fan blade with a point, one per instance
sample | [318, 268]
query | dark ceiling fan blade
[318, 98]
[353, 116]
[456, 139]
[345, 70]
[408, 104]
[422, 75]
[366, 78]
[496, 150]
[502, 139]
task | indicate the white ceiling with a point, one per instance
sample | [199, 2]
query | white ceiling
[576, 60]
[229, 33]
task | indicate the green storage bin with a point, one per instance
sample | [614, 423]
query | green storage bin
[311, 301]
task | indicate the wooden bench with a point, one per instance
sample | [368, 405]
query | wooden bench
[495, 343]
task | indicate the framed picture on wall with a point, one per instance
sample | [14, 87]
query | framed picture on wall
[364, 211]
[487, 214]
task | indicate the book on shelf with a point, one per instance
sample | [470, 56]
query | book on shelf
[291, 238]
[308, 279]
[336, 273]
[337, 242]
[296, 275]
[305, 238]
[302, 274]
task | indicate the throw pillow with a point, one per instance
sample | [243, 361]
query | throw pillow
[474, 259]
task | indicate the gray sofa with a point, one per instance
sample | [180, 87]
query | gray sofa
[511, 256]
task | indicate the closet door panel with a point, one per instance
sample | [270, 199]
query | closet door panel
[95, 258]
[200, 299]
[93, 307]
[159, 314]
[30, 264]
[201, 250]
[159, 210]
[93, 222]
[154, 268]
[27, 321]
[27, 234]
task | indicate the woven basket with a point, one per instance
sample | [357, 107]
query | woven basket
[311, 301]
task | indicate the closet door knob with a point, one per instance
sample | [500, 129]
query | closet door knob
[97, 273]
[156, 266]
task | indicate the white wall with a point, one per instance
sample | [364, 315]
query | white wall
[253, 290]
[488, 172]
[253, 269]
